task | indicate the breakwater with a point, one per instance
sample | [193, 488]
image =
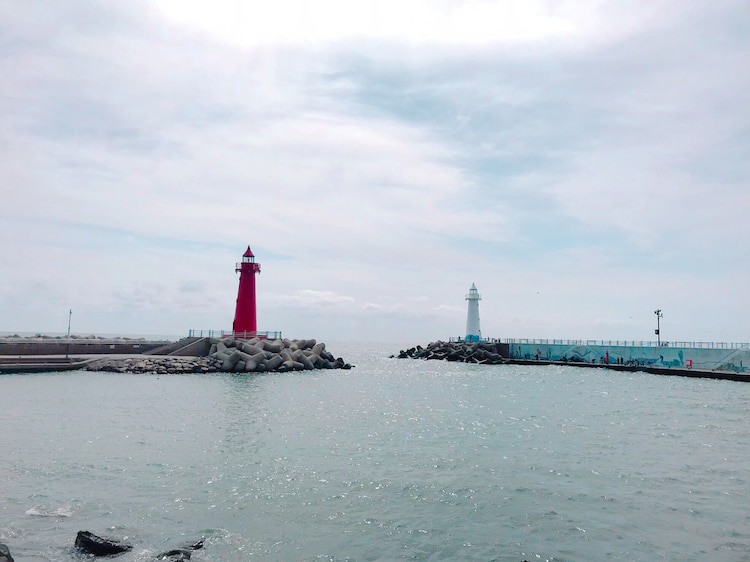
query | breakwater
[707, 356]
[466, 352]
[231, 355]
[617, 358]
[159, 365]
[188, 355]
[259, 355]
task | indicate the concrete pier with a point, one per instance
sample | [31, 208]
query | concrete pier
[709, 360]
[39, 363]
[670, 371]
[77, 345]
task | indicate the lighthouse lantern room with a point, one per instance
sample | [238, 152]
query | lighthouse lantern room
[245, 318]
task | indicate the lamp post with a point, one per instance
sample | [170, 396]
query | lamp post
[659, 316]
[67, 343]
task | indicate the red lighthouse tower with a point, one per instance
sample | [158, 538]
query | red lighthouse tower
[244, 315]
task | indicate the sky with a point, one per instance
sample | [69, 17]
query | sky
[584, 163]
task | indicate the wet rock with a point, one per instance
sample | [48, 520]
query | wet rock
[466, 352]
[5, 555]
[195, 545]
[182, 553]
[176, 555]
[89, 543]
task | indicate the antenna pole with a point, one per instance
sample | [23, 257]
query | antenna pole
[67, 344]
[659, 316]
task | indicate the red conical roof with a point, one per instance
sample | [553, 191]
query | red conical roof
[248, 253]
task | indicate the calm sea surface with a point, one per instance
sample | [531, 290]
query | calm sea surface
[395, 459]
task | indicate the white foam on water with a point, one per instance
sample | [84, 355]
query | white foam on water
[43, 511]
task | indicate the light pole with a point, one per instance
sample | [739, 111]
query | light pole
[659, 316]
[67, 343]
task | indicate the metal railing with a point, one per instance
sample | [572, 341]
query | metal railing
[471, 339]
[246, 335]
[625, 343]
[81, 340]
[609, 343]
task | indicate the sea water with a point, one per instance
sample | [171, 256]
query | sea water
[397, 459]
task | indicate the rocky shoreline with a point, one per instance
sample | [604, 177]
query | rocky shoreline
[465, 352]
[94, 546]
[231, 355]
[160, 365]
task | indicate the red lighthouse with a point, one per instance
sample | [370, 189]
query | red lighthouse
[244, 315]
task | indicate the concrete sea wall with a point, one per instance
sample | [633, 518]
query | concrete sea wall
[717, 358]
[77, 345]
[726, 363]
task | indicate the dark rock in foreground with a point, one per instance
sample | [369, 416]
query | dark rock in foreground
[180, 554]
[465, 352]
[176, 555]
[194, 545]
[5, 554]
[89, 543]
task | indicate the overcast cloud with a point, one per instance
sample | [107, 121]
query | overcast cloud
[583, 163]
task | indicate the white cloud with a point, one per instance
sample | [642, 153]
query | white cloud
[307, 298]
[472, 22]
[448, 308]
[577, 160]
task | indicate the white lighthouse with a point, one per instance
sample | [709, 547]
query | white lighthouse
[473, 333]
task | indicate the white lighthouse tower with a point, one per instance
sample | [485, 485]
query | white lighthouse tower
[473, 333]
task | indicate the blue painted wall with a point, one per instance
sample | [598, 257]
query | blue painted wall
[729, 359]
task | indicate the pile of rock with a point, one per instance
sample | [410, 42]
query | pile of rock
[160, 365]
[231, 355]
[90, 544]
[260, 355]
[465, 352]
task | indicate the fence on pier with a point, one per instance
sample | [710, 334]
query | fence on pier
[246, 335]
[613, 343]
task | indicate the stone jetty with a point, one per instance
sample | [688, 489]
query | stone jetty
[254, 355]
[464, 351]
[160, 365]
